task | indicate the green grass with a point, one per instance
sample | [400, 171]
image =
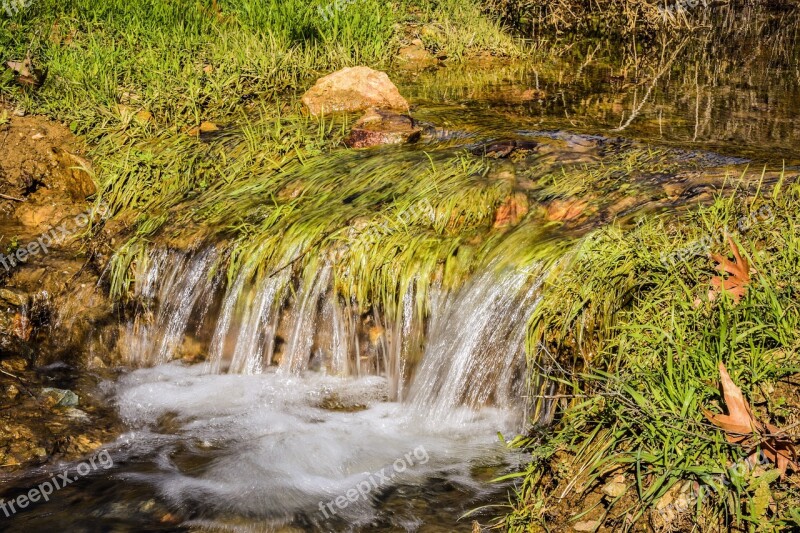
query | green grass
[132, 77]
[184, 62]
[638, 344]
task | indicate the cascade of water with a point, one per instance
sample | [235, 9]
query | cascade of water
[176, 283]
[255, 342]
[474, 352]
[297, 354]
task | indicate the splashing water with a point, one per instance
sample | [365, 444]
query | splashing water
[474, 353]
[290, 412]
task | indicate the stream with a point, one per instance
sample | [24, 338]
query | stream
[305, 415]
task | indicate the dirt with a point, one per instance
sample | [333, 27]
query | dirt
[50, 297]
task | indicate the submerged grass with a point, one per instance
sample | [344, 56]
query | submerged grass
[638, 345]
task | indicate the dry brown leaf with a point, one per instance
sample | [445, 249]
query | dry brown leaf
[26, 73]
[739, 424]
[741, 427]
[738, 275]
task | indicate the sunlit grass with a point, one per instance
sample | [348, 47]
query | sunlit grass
[638, 344]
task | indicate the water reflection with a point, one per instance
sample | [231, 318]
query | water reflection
[730, 85]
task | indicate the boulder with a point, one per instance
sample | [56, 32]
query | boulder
[353, 89]
[378, 127]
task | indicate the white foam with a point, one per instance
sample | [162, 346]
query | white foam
[273, 452]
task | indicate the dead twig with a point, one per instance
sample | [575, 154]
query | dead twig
[14, 198]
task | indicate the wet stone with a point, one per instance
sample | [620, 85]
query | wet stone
[379, 127]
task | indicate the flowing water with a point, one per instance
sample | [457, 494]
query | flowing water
[307, 415]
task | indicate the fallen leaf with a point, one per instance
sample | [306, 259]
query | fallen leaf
[26, 73]
[738, 275]
[739, 424]
[741, 427]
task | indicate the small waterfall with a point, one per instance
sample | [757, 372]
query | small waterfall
[177, 286]
[475, 349]
[471, 343]
[297, 354]
[256, 310]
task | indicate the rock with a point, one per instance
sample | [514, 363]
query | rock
[353, 89]
[511, 211]
[415, 56]
[12, 392]
[378, 127]
[15, 364]
[13, 298]
[503, 148]
[566, 209]
[588, 525]
[60, 397]
[614, 489]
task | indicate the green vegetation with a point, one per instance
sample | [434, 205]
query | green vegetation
[638, 344]
[184, 62]
[133, 77]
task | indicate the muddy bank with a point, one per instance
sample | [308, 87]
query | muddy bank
[51, 297]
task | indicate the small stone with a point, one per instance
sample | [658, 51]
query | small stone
[566, 209]
[37, 136]
[588, 525]
[511, 211]
[77, 414]
[14, 364]
[169, 518]
[12, 392]
[12, 297]
[353, 89]
[614, 490]
[665, 501]
[62, 397]
[416, 56]
[378, 127]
